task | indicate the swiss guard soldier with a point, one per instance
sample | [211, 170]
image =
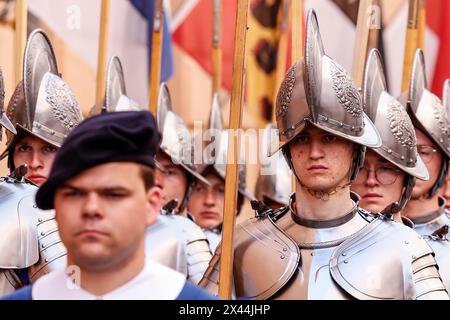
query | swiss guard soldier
[427, 207]
[274, 189]
[44, 110]
[389, 172]
[173, 240]
[323, 245]
[102, 189]
[207, 200]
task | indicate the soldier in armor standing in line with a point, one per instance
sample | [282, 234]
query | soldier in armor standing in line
[43, 110]
[324, 245]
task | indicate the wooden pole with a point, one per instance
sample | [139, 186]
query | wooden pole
[155, 64]
[411, 43]
[422, 23]
[102, 51]
[361, 42]
[297, 29]
[231, 181]
[217, 46]
[20, 37]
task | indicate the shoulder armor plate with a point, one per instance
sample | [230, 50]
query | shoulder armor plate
[18, 220]
[265, 258]
[383, 254]
[52, 252]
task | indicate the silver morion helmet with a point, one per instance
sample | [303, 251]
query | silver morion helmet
[278, 185]
[176, 139]
[426, 108]
[220, 145]
[392, 121]
[43, 104]
[319, 91]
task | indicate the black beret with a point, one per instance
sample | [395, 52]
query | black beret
[130, 136]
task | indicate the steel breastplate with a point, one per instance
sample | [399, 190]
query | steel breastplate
[317, 243]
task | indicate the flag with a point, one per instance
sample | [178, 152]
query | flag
[145, 8]
[194, 36]
[262, 46]
[438, 22]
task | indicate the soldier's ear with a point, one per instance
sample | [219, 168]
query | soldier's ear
[154, 204]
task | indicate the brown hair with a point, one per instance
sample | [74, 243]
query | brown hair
[147, 175]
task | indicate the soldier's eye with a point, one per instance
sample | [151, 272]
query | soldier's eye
[302, 139]
[24, 148]
[329, 138]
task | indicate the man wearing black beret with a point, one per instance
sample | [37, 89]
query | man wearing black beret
[101, 187]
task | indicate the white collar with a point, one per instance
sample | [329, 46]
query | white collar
[154, 282]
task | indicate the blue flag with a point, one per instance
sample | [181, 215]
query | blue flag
[145, 8]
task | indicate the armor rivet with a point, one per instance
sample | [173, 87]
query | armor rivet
[46, 260]
[42, 233]
[406, 242]
[344, 254]
[353, 128]
[414, 257]
[53, 132]
[389, 151]
[345, 261]
[282, 256]
[325, 119]
[284, 249]
[40, 220]
[43, 246]
[34, 206]
[403, 157]
[341, 124]
[312, 254]
[441, 140]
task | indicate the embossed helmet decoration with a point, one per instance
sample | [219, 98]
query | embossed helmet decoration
[394, 125]
[429, 115]
[42, 104]
[318, 91]
[4, 121]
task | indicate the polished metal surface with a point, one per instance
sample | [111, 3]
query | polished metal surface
[180, 244]
[392, 121]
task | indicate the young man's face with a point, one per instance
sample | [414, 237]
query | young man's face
[206, 202]
[103, 214]
[321, 160]
[38, 155]
[379, 183]
[432, 158]
[173, 181]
